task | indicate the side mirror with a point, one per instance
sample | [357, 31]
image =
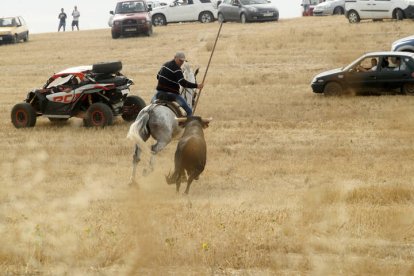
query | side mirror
[149, 9]
[111, 12]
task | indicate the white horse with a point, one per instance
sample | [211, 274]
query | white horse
[158, 121]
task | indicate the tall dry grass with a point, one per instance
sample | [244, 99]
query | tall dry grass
[295, 183]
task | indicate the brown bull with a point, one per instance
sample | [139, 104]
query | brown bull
[191, 153]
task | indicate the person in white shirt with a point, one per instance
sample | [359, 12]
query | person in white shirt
[75, 21]
[305, 4]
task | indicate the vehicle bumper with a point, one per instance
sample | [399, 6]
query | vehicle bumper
[321, 12]
[6, 38]
[125, 30]
[263, 16]
[317, 87]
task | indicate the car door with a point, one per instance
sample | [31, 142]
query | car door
[234, 10]
[225, 9]
[381, 9]
[178, 12]
[392, 76]
[363, 81]
[365, 8]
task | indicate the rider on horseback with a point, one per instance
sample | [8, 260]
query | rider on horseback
[170, 77]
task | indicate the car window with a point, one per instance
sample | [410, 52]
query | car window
[203, 1]
[130, 7]
[252, 2]
[7, 22]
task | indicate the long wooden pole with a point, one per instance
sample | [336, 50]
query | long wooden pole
[208, 66]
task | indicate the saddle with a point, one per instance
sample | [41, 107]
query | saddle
[174, 106]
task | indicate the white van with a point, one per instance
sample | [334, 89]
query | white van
[356, 10]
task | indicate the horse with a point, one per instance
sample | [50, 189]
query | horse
[159, 122]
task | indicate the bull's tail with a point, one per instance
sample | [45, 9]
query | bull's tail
[139, 130]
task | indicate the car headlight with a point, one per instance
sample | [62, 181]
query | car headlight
[252, 9]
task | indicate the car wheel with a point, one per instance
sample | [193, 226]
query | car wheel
[243, 18]
[14, 39]
[220, 18]
[332, 89]
[338, 11]
[98, 115]
[399, 14]
[408, 88]
[353, 17]
[205, 17]
[23, 115]
[115, 35]
[132, 106]
[107, 67]
[149, 32]
[159, 20]
[26, 37]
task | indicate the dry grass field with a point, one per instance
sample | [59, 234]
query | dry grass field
[295, 183]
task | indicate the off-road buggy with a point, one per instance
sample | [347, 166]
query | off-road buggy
[96, 93]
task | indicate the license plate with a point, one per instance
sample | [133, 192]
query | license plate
[130, 29]
[268, 14]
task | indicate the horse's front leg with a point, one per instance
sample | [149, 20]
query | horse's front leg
[135, 161]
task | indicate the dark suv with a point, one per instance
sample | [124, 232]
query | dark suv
[131, 18]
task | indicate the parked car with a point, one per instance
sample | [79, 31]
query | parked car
[190, 10]
[371, 73]
[96, 93]
[130, 18]
[247, 11]
[330, 7]
[405, 44]
[13, 29]
[357, 10]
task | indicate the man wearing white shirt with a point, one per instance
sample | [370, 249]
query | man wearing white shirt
[75, 21]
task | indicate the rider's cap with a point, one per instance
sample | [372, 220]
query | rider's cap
[180, 56]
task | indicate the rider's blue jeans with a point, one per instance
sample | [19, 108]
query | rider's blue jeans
[162, 95]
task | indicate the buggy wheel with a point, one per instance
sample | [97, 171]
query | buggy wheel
[107, 67]
[23, 115]
[98, 115]
[132, 106]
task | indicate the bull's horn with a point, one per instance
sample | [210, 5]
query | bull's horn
[206, 120]
[181, 120]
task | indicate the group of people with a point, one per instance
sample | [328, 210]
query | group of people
[62, 19]
[397, 65]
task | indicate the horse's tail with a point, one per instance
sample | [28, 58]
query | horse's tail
[139, 130]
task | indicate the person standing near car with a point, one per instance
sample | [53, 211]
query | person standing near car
[62, 19]
[305, 4]
[170, 77]
[75, 21]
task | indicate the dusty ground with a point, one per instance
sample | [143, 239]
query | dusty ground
[296, 183]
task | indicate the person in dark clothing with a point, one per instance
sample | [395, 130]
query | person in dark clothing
[62, 20]
[170, 77]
